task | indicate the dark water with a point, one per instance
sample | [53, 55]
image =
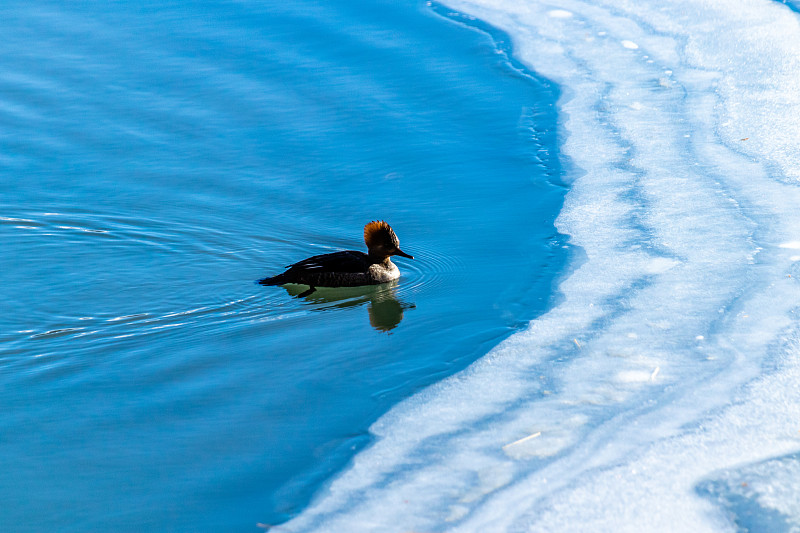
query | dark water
[158, 157]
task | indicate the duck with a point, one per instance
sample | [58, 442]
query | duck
[348, 268]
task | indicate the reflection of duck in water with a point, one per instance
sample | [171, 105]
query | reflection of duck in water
[385, 310]
[348, 268]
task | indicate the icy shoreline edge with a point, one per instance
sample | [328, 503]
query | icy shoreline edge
[673, 355]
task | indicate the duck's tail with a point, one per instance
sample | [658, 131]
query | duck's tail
[280, 279]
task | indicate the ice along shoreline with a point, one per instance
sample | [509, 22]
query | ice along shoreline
[671, 356]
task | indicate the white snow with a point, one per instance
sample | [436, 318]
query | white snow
[559, 13]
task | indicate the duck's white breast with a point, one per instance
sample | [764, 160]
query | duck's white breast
[383, 274]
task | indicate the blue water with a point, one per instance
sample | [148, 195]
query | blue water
[156, 158]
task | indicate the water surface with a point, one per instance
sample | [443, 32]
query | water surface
[158, 157]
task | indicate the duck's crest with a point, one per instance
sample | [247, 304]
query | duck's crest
[379, 232]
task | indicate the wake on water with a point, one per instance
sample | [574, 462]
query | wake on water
[661, 392]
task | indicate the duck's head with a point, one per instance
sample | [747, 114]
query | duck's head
[381, 241]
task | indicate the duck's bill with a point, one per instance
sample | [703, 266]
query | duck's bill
[402, 253]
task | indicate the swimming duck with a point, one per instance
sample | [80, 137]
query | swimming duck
[348, 268]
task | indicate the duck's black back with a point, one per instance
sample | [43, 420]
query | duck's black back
[339, 269]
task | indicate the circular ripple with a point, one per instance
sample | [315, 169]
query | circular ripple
[429, 269]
